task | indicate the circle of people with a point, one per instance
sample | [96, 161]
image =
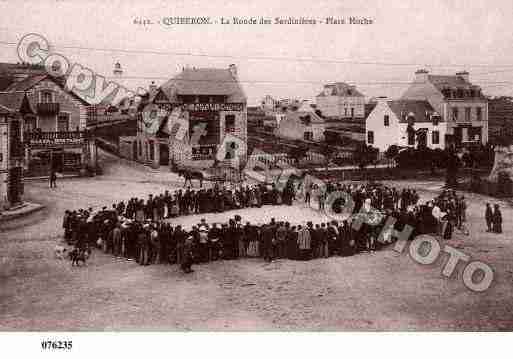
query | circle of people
[138, 228]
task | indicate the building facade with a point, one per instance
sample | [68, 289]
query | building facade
[341, 101]
[269, 104]
[301, 125]
[460, 103]
[11, 157]
[404, 123]
[55, 133]
[187, 120]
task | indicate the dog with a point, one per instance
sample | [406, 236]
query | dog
[78, 255]
[60, 251]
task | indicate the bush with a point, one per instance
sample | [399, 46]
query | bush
[423, 158]
[504, 185]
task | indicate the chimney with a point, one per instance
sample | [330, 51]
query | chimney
[153, 87]
[421, 75]
[118, 71]
[233, 70]
[464, 75]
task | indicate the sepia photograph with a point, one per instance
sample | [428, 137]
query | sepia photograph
[260, 168]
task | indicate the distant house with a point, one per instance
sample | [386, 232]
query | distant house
[269, 104]
[408, 123]
[460, 104]
[341, 101]
[301, 125]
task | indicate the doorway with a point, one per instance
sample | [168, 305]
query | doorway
[164, 154]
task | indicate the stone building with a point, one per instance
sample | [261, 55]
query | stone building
[341, 101]
[301, 125]
[186, 120]
[460, 103]
[55, 133]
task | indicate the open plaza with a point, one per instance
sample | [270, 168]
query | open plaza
[382, 290]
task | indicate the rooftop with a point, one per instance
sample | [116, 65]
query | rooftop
[421, 110]
[205, 81]
[341, 89]
[16, 101]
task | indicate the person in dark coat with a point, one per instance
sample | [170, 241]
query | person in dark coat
[187, 255]
[489, 217]
[292, 244]
[497, 219]
[267, 242]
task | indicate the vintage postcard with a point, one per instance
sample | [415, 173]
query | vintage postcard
[241, 166]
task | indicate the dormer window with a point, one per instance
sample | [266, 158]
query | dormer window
[47, 96]
[306, 120]
[435, 118]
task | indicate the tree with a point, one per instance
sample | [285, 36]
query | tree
[365, 155]
[392, 152]
[328, 152]
[452, 166]
[297, 153]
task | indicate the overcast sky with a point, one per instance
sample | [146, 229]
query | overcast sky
[443, 35]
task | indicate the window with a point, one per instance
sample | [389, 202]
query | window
[474, 134]
[435, 137]
[30, 124]
[308, 136]
[140, 149]
[435, 119]
[63, 122]
[229, 121]
[345, 111]
[386, 120]
[352, 111]
[467, 114]
[370, 137]
[455, 114]
[46, 96]
[479, 113]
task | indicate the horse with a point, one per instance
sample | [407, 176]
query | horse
[189, 175]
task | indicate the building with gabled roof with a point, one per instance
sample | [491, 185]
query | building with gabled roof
[301, 125]
[341, 101]
[404, 123]
[210, 99]
[54, 123]
[460, 103]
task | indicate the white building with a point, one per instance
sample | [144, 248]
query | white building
[405, 123]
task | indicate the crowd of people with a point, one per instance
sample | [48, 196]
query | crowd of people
[138, 229]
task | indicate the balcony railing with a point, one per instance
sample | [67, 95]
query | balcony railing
[50, 108]
[39, 138]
